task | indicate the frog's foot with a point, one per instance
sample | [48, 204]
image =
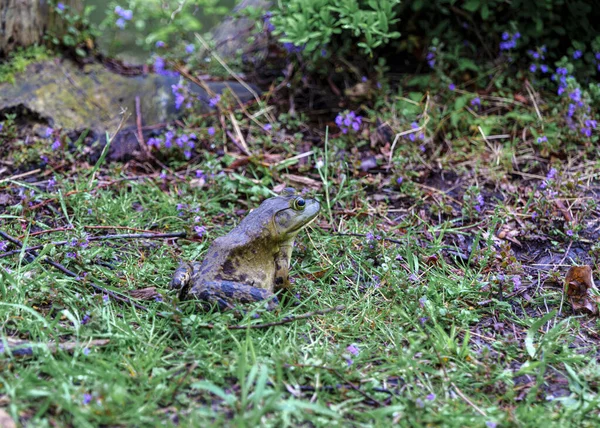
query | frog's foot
[182, 278]
[225, 294]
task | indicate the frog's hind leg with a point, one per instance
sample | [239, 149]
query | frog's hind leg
[182, 278]
[225, 294]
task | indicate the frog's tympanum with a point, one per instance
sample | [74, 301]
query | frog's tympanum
[251, 263]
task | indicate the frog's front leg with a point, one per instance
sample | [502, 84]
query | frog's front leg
[182, 278]
[225, 294]
[282, 269]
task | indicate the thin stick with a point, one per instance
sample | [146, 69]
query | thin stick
[66, 271]
[138, 121]
[464, 397]
[25, 174]
[104, 238]
[339, 375]
[226, 67]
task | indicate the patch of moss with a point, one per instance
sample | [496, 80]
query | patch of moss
[19, 60]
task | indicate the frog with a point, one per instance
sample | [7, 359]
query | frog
[252, 262]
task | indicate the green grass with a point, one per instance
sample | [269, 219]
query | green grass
[424, 349]
[436, 330]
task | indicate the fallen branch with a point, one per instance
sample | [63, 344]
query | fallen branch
[47, 260]
[103, 238]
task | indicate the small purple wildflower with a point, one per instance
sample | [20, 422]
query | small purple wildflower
[516, 282]
[353, 349]
[179, 96]
[1, 126]
[86, 351]
[190, 48]
[153, 142]
[533, 68]
[452, 86]
[211, 131]
[544, 68]
[214, 101]
[268, 127]
[51, 183]
[323, 53]
[160, 44]
[491, 424]
[542, 139]
[422, 302]
[369, 236]
[158, 298]
[163, 175]
[200, 231]
[569, 232]
[577, 54]
[120, 23]
[169, 139]
[399, 180]
[105, 298]
[476, 101]
[56, 145]
[364, 79]
[86, 319]
[348, 120]
[73, 242]
[430, 397]
[551, 174]
[71, 255]
[509, 41]
[431, 58]
[60, 6]
[87, 399]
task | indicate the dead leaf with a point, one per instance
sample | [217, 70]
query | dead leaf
[5, 420]
[299, 179]
[579, 286]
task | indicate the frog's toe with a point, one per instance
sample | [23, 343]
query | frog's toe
[181, 278]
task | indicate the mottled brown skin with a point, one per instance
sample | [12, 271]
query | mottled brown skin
[251, 263]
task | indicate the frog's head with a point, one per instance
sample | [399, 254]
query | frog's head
[294, 213]
[283, 216]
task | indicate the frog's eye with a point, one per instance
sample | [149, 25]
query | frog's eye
[298, 204]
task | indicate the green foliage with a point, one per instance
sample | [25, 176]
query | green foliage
[332, 24]
[79, 33]
[172, 22]
[19, 59]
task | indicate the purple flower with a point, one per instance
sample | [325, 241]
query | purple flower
[190, 48]
[200, 231]
[544, 68]
[51, 183]
[153, 142]
[399, 180]
[505, 36]
[86, 351]
[323, 53]
[561, 71]
[353, 349]
[577, 54]
[120, 23]
[200, 174]
[364, 79]
[169, 139]
[430, 58]
[570, 232]
[162, 175]
[214, 101]
[1, 126]
[532, 68]
[476, 101]
[105, 298]
[452, 86]
[86, 319]
[160, 44]
[267, 127]
[348, 120]
[491, 424]
[551, 174]
[211, 131]
[369, 236]
[587, 132]
[60, 6]
[516, 282]
[87, 398]
[542, 139]
[430, 397]
[591, 123]
[71, 255]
